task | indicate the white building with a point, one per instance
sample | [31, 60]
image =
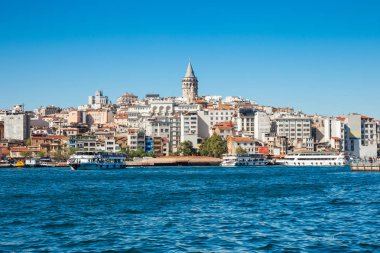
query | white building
[262, 125]
[98, 101]
[16, 126]
[189, 128]
[245, 120]
[361, 139]
[297, 130]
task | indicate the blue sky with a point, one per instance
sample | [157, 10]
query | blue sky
[316, 56]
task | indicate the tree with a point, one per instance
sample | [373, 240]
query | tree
[186, 148]
[136, 153]
[28, 142]
[241, 151]
[214, 146]
[26, 154]
[41, 154]
[72, 150]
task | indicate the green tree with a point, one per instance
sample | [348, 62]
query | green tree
[241, 151]
[26, 154]
[72, 150]
[186, 148]
[214, 146]
[41, 154]
[28, 142]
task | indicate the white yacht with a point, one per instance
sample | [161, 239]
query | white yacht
[244, 160]
[315, 159]
[94, 160]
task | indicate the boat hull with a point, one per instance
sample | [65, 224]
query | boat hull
[96, 166]
[314, 163]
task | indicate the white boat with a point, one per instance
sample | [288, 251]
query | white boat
[83, 160]
[244, 160]
[315, 159]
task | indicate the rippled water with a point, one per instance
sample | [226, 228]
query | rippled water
[187, 209]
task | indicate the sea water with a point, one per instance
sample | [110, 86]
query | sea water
[190, 209]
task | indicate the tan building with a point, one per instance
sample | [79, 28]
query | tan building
[224, 129]
[19, 152]
[99, 117]
[75, 117]
[50, 144]
[1, 130]
[248, 144]
[136, 139]
[121, 119]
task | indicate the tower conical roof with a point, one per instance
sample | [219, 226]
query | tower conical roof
[189, 71]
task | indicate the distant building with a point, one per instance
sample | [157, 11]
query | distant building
[262, 125]
[361, 140]
[245, 120]
[98, 101]
[99, 117]
[16, 126]
[189, 128]
[1, 130]
[48, 110]
[127, 99]
[136, 139]
[248, 144]
[224, 129]
[189, 85]
[297, 130]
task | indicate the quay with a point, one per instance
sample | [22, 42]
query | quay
[362, 166]
[177, 161]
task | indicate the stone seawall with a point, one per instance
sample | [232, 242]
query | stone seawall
[365, 167]
[177, 161]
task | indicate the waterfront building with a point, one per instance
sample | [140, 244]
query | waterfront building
[85, 142]
[297, 129]
[149, 144]
[248, 144]
[110, 144]
[20, 152]
[161, 146]
[189, 86]
[51, 144]
[361, 139]
[378, 137]
[135, 139]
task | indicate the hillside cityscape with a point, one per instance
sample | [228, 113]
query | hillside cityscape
[171, 126]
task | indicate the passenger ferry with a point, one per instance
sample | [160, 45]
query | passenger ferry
[244, 160]
[95, 160]
[315, 159]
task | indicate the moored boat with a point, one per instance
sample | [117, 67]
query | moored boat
[244, 160]
[96, 160]
[315, 159]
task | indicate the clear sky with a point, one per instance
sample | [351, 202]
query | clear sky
[316, 56]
